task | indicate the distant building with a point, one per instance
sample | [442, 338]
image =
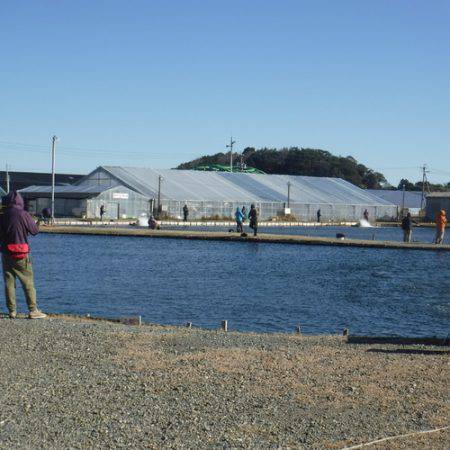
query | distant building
[128, 192]
[435, 202]
[411, 200]
[21, 180]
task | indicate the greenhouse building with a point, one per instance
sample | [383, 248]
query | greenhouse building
[129, 192]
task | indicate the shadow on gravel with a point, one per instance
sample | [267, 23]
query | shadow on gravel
[410, 351]
[398, 340]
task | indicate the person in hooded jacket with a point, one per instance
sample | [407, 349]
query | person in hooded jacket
[407, 226]
[253, 216]
[441, 222]
[239, 219]
[15, 226]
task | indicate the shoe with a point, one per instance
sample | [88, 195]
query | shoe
[37, 315]
[12, 315]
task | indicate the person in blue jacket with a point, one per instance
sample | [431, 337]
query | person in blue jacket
[239, 219]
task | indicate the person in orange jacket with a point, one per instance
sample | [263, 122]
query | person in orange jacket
[441, 221]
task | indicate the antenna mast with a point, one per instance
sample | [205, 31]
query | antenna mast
[230, 146]
[424, 182]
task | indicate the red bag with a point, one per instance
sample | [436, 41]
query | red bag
[18, 251]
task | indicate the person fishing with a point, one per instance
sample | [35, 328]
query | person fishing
[239, 219]
[244, 213]
[185, 212]
[15, 226]
[319, 216]
[253, 216]
[46, 215]
[441, 222]
[152, 223]
[102, 211]
[407, 226]
[366, 215]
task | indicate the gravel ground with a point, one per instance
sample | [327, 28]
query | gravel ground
[69, 383]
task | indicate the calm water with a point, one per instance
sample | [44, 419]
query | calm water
[420, 234]
[260, 287]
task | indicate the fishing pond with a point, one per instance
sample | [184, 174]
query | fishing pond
[255, 286]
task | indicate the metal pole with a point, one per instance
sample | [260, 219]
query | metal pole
[54, 139]
[230, 146]
[403, 201]
[289, 194]
[7, 179]
[424, 177]
[159, 195]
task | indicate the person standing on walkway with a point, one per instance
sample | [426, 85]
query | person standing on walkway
[253, 216]
[319, 216]
[441, 222]
[244, 213]
[102, 212]
[15, 226]
[407, 226]
[239, 219]
[366, 215]
[185, 212]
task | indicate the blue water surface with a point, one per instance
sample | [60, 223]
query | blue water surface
[256, 287]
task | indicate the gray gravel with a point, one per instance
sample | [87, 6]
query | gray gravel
[81, 384]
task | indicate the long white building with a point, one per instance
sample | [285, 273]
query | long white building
[128, 192]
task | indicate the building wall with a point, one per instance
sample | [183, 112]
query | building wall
[119, 203]
[435, 204]
[64, 207]
[99, 177]
[267, 210]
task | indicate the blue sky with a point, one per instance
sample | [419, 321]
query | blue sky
[156, 83]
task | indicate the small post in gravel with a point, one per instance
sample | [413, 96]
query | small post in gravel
[189, 325]
[298, 329]
[345, 332]
[225, 325]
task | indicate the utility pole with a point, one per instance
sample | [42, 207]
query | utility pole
[230, 146]
[160, 178]
[403, 200]
[54, 139]
[424, 180]
[7, 179]
[289, 194]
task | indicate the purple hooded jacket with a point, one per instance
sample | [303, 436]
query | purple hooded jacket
[15, 223]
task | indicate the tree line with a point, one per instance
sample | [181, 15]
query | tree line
[429, 187]
[309, 162]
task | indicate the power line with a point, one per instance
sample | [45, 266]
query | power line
[89, 151]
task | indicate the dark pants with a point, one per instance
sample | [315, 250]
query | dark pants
[254, 227]
[239, 227]
[407, 235]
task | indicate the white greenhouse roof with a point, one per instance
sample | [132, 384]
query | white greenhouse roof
[190, 185]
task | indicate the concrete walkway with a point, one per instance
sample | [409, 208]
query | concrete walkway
[234, 237]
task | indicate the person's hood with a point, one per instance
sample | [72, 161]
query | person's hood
[13, 199]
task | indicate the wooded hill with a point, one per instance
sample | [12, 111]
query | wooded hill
[297, 161]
